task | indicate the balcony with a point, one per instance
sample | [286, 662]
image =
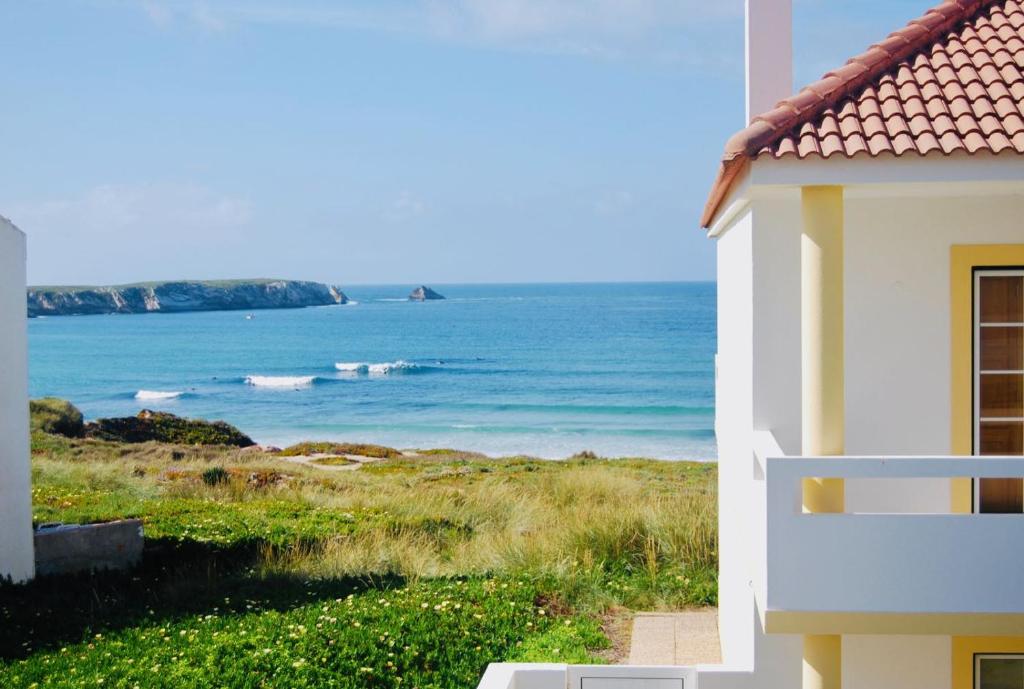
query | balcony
[939, 573]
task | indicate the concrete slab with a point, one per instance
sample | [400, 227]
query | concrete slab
[67, 548]
[681, 638]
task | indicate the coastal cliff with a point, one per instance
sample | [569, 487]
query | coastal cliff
[176, 297]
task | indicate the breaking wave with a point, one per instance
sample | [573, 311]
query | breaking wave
[280, 381]
[382, 369]
[151, 395]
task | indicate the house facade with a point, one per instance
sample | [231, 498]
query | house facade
[17, 562]
[870, 369]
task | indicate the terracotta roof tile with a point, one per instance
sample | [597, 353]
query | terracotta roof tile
[950, 81]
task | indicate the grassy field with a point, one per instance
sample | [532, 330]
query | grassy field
[407, 572]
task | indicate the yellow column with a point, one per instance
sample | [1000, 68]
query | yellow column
[821, 337]
[823, 662]
[822, 380]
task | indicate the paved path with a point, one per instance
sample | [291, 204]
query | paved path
[357, 461]
[680, 638]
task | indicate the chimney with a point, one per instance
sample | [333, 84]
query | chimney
[769, 25]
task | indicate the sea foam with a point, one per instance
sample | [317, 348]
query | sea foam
[157, 395]
[279, 381]
[381, 369]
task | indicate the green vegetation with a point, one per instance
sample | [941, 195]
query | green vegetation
[223, 284]
[215, 476]
[360, 449]
[166, 428]
[333, 461]
[57, 416]
[408, 572]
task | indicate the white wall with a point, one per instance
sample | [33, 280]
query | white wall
[898, 329]
[734, 427]
[755, 389]
[16, 555]
[897, 662]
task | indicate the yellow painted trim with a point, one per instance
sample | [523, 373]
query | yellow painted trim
[952, 624]
[823, 662]
[963, 259]
[821, 339]
[964, 648]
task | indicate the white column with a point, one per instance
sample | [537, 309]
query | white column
[17, 559]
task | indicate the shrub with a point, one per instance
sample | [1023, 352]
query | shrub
[215, 476]
[166, 428]
[56, 416]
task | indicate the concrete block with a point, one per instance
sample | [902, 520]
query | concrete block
[69, 548]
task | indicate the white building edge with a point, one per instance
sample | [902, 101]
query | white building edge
[870, 370]
[17, 560]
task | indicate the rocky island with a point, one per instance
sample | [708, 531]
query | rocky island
[424, 293]
[176, 297]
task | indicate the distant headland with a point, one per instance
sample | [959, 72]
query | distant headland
[181, 296]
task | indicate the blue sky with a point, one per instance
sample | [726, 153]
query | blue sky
[380, 141]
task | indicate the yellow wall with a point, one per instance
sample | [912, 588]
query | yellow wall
[964, 648]
[963, 259]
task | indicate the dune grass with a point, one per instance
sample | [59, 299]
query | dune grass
[552, 546]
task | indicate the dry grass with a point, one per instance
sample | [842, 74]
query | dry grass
[628, 532]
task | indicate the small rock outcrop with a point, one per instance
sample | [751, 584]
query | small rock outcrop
[424, 293]
[56, 416]
[162, 427]
[176, 297]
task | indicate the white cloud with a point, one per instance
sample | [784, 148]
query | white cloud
[405, 207]
[614, 203]
[184, 210]
[157, 12]
[600, 27]
[134, 231]
[206, 18]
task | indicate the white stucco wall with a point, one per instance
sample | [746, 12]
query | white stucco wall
[897, 662]
[897, 387]
[897, 324]
[898, 330]
[16, 556]
[755, 330]
[733, 426]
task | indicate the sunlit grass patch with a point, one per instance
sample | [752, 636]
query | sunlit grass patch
[261, 543]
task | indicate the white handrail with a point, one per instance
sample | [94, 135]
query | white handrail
[895, 467]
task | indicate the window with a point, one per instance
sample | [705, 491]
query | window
[999, 382]
[998, 671]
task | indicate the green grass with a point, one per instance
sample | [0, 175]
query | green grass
[239, 572]
[361, 449]
[334, 461]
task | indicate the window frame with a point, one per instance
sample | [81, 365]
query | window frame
[978, 657]
[977, 273]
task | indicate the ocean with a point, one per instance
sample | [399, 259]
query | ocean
[542, 369]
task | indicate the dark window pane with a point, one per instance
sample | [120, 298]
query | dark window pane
[1002, 300]
[1002, 349]
[1002, 438]
[1002, 395]
[1001, 673]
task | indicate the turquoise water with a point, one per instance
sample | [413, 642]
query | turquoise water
[550, 370]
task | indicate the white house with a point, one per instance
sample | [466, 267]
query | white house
[16, 555]
[870, 373]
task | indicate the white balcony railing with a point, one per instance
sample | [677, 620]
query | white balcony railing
[916, 563]
[544, 676]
